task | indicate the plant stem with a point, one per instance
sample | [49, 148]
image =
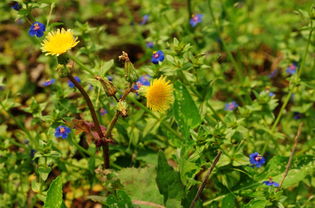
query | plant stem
[189, 10]
[50, 12]
[168, 127]
[291, 155]
[83, 66]
[204, 182]
[80, 148]
[95, 120]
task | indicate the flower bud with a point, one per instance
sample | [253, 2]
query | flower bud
[122, 108]
[108, 86]
[130, 71]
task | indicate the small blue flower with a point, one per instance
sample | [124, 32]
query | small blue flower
[110, 78]
[231, 106]
[273, 73]
[62, 131]
[103, 111]
[297, 115]
[157, 57]
[150, 44]
[271, 94]
[70, 84]
[16, 6]
[49, 82]
[271, 183]
[37, 29]
[256, 159]
[145, 19]
[142, 81]
[292, 68]
[195, 19]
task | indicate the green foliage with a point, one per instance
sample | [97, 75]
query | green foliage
[54, 194]
[240, 51]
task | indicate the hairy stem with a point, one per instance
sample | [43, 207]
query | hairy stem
[77, 61]
[95, 120]
[204, 182]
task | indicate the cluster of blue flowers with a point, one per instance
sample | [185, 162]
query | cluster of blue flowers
[258, 160]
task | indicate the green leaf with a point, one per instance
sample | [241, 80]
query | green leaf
[168, 180]
[44, 172]
[132, 177]
[185, 111]
[54, 194]
[119, 199]
[228, 201]
[256, 203]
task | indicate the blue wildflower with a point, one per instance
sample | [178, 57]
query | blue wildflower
[271, 183]
[297, 115]
[231, 106]
[142, 81]
[195, 19]
[70, 84]
[110, 78]
[256, 159]
[291, 69]
[103, 111]
[16, 6]
[157, 57]
[273, 73]
[62, 131]
[271, 94]
[37, 29]
[145, 19]
[49, 82]
[150, 44]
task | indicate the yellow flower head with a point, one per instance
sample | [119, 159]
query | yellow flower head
[59, 42]
[159, 95]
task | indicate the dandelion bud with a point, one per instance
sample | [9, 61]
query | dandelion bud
[130, 73]
[108, 86]
[62, 70]
[122, 108]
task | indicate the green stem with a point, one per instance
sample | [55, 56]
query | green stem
[229, 54]
[189, 10]
[285, 103]
[81, 149]
[168, 127]
[50, 12]
[82, 65]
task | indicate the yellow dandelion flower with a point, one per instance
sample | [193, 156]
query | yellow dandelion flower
[159, 95]
[59, 42]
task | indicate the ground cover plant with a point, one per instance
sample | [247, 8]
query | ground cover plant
[143, 103]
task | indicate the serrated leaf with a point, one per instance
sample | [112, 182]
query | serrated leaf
[119, 199]
[185, 110]
[168, 180]
[54, 194]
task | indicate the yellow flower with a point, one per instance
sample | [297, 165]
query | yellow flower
[159, 95]
[59, 42]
